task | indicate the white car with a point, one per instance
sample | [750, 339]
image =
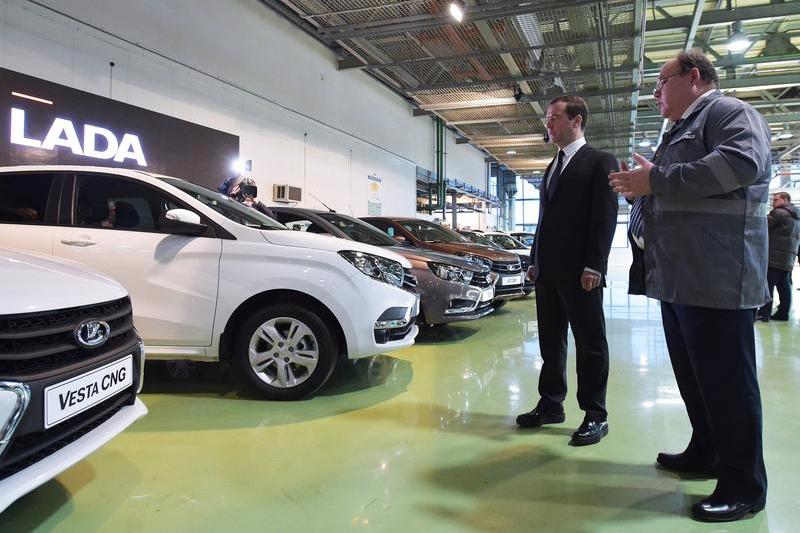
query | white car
[213, 280]
[71, 365]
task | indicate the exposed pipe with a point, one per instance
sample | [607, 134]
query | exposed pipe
[440, 168]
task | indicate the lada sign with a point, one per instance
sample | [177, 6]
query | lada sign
[96, 142]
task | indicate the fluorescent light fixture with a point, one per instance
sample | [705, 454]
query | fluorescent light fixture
[738, 41]
[34, 98]
[457, 10]
[645, 142]
[785, 133]
[512, 152]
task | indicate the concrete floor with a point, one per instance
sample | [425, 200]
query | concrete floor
[423, 440]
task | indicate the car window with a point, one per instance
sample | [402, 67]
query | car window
[430, 232]
[300, 223]
[230, 209]
[23, 197]
[505, 242]
[358, 230]
[121, 204]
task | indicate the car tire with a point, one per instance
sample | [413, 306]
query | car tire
[284, 352]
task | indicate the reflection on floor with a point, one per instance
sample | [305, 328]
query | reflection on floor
[422, 440]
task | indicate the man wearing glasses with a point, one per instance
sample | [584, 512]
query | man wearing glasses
[705, 250]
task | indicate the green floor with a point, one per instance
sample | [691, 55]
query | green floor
[423, 440]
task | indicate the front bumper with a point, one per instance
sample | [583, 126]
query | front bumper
[509, 286]
[35, 475]
[446, 301]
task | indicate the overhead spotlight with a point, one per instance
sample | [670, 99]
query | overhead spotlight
[518, 94]
[785, 133]
[739, 40]
[511, 152]
[457, 10]
[645, 141]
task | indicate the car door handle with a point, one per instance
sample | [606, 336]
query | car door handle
[78, 243]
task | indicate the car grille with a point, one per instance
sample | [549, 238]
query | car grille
[481, 280]
[409, 280]
[40, 342]
[506, 267]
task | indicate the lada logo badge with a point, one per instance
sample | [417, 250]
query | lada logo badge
[92, 333]
[510, 267]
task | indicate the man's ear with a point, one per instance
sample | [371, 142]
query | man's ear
[694, 75]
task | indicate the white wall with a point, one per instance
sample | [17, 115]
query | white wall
[238, 67]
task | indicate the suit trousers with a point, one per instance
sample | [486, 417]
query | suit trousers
[781, 280]
[563, 304]
[713, 357]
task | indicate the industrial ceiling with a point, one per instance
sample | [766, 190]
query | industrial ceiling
[491, 76]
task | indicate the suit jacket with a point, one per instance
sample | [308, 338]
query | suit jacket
[577, 219]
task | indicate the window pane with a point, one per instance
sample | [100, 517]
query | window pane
[23, 197]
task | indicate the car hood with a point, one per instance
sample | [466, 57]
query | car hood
[31, 283]
[419, 254]
[314, 241]
[495, 254]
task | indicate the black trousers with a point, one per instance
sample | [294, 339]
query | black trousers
[714, 360]
[781, 280]
[559, 305]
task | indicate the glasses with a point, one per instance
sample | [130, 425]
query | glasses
[661, 81]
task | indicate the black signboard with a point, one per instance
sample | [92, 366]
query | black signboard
[45, 123]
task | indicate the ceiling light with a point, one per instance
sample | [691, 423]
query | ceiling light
[457, 10]
[785, 133]
[738, 41]
[645, 141]
[512, 152]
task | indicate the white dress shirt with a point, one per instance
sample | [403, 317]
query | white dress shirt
[569, 150]
[696, 102]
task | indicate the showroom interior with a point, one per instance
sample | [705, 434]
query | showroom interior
[404, 139]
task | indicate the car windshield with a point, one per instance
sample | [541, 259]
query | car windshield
[480, 239]
[359, 231]
[506, 242]
[225, 206]
[525, 238]
[430, 232]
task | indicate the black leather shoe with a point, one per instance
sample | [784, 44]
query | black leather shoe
[762, 318]
[538, 417]
[779, 318]
[714, 509]
[681, 462]
[590, 432]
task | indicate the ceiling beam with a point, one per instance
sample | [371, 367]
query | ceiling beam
[539, 76]
[375, 28]
[344, 64]
[489, 102]
[774, 81]
[520, 118]
[718, 18]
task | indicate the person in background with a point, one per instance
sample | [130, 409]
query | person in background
[784, 237]
[245, 191]
[705, 248]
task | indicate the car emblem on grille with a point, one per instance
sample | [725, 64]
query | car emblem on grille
[92, 333]
[510, 267]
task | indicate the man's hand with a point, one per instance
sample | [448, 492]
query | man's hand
[632, 183]
[589, 281]
[27, 214]
[531, 274]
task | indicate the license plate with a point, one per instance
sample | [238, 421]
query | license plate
[512, 280]
[71, 397]
[487, 294]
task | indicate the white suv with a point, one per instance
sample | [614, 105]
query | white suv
[70, 367]
[211, 279]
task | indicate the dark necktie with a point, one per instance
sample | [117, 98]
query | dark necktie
[553, 181]
[636, 221]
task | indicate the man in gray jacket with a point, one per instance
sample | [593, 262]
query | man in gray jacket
[705, 251]
[784, 237]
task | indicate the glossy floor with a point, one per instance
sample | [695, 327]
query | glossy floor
[423, 440]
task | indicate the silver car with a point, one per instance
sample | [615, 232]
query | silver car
[451, 288]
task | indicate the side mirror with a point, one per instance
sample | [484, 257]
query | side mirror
[182, 222]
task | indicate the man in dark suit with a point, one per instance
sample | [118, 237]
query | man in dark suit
[577, 219]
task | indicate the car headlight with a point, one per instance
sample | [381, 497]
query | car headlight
[476, 259]
[451, 273]
[376, 267]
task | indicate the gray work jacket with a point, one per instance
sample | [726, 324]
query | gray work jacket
[705, 222]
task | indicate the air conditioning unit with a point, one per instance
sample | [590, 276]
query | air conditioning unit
[286, 194]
